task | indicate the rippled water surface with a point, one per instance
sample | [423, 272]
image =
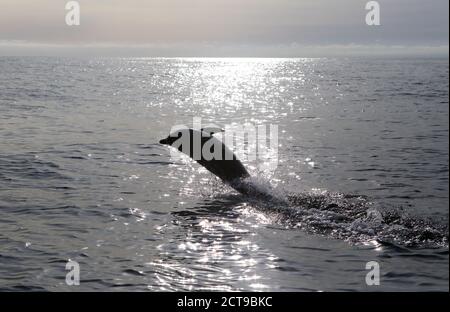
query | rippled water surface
[363, 162]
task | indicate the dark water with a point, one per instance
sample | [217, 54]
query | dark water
[363, 165]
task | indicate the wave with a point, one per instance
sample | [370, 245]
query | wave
[353, 218]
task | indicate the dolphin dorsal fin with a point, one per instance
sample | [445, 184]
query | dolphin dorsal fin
[212, 129]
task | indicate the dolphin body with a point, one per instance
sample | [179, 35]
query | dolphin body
[228, 168]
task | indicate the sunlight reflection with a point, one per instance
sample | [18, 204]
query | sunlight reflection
[219, 250]
[374, 243]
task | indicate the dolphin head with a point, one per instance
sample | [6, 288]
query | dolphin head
[165, 141]
[174, 136]
[168, 141]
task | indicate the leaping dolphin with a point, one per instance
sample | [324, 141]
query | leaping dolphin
[227, 167]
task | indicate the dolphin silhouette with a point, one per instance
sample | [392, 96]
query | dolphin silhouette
[227, 167]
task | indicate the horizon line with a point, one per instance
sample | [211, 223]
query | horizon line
[214, 50]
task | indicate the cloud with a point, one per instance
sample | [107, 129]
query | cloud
[225, 27]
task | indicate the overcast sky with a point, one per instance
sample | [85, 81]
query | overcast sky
[223, 27]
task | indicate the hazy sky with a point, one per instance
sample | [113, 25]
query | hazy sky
[223, 27]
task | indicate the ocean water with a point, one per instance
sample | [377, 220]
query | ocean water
[362, 162]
